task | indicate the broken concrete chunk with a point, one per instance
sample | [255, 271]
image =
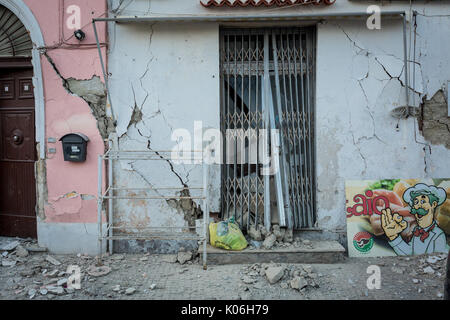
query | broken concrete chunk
[277, 232]
[55, 290]
[52, 260]
[183, 257]
[269, 241]
[298, 283]
[289, 236]
[9, 246]
[274, 274]
[263, 230]
[254, 233]
[428, 270]
[34, 248]
[21, 251]
[117, 257]
[130, 291]
[98, 271]
[8, 263]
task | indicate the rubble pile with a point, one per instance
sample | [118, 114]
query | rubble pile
[296, 276]
[260, 238]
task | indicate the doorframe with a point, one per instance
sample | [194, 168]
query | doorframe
[21, 10]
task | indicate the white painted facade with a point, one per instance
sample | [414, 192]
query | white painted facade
[170, 71]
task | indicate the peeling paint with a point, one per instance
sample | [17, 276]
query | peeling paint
[435, 123]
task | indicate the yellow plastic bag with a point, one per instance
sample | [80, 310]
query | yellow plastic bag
[227, 235]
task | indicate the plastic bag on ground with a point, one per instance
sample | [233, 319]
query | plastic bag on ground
[227, 235]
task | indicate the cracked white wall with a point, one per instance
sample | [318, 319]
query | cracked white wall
[170, 72]
[166, 75]
[359, 81]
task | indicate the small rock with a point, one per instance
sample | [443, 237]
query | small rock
[288, 236]
[428, 270]
[269, 241]
[152, 286]
[254, 233]
[52, 260]
[256, 244]
[8, 263]
[284, 285]
[274, 274]
[432, 259]
[34, 248]
[21, 251]
[98, 271]
[10, 246]
[416, 281]
[298, 283]
[52, 273]
[55, 290]
[116, 288]
[306, 242]
[130, 291]
[277, 232]
[183, 257]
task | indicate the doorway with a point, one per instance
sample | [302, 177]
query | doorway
[267, 84]
[17, 149]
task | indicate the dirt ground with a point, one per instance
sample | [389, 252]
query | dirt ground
[32, 275]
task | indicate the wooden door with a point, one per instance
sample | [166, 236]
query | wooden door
[17, 150]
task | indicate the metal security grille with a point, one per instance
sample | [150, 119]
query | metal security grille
[267, 83]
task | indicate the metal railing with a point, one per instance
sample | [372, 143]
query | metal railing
[107, 190]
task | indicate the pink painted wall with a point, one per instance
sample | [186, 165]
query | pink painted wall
[72, 187]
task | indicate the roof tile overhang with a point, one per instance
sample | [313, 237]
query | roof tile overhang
[259, 3]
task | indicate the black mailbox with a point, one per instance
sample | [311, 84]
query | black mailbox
[74, 147]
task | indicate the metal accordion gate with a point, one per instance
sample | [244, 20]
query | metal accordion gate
[267, 112]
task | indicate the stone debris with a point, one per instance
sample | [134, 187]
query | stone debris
[61, 282]
[52, 260]
[116, 288]
[274, 274]
[298, 283]
[416, 281]
[34, 248]
[144, 259]
[98, 271]
[153, 286]
[269, 241]
[183, 257]
[130, 291]
[55, 290]
[432, 259]
[255, 234]
[9, 246]
[31, 293]
[117, 257]
[21, 251]
[428, 270]
[8, 263]
[289, 236]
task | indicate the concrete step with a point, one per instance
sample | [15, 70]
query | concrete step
[317, 252]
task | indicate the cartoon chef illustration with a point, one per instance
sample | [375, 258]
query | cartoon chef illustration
[427, 236]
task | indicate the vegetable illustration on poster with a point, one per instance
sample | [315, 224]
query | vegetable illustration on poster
[397, 217]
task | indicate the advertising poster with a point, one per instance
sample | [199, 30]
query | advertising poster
[397, 217]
